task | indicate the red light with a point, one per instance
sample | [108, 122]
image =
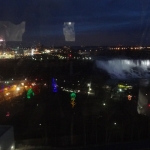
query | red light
[8, 114]
[70, 55]
[148, 105]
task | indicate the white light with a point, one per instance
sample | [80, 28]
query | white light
[104, 104]
[115, 123]
[120, 90]
[12, 79]
[12, 147]
[69, 23]
[88, 84]
[7, 93]
[32, 52]
[33, 84]
[18, 89]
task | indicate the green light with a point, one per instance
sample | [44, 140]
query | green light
[73, 96]
[30, 93]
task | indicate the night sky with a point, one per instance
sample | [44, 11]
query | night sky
[97, 22]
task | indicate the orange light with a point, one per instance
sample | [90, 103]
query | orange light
[129, 97]
[73, 104]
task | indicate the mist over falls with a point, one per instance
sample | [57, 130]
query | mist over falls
[119, 68]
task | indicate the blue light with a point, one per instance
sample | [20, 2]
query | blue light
[54, 85]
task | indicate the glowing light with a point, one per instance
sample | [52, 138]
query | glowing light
[129, 97]
[7, 94]
[54, 85]
[32, 52]
[18, 89]
[73, 95]
[73, 103]
[88, 84]
[33, 84]
[30, 93]
[8, 114]
[120, 90]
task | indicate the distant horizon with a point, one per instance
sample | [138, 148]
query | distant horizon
[53, 45]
